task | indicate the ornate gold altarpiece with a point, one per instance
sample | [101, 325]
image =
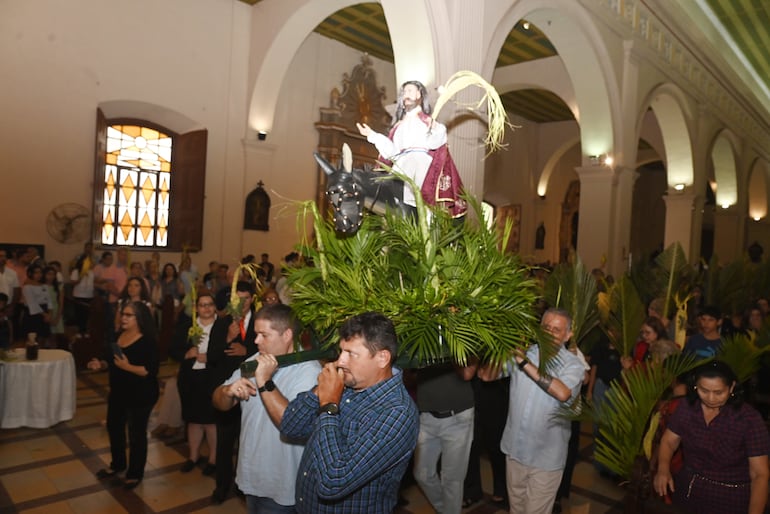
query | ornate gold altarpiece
[360, 100]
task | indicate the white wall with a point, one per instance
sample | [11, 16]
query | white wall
[62, 59]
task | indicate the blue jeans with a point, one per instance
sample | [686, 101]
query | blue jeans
[450, 439]
[264, 505]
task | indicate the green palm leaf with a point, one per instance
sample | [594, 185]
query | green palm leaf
[674, 268]
[622, 314]
[449, 288]
[742, 355]
[628, 406]
[572, 288]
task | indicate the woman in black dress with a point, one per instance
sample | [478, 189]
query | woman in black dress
[133, 392]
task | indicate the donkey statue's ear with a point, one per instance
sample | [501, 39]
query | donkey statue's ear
[347, 158]
[324, 164]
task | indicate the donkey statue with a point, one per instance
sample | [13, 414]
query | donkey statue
[350, 191]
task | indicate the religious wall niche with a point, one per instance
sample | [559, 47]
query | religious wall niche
[257, 212]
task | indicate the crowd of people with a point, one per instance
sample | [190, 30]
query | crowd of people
[345, 436]
[348, 434]
[40, 298]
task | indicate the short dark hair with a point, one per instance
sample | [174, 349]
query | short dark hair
[715, 369]
[711, 311]
[245, 287]
[377, 331]
[280, 316]
[31, 270]
[204, 294]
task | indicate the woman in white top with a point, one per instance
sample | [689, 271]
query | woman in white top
[35, 295]
[194, 381]
[82, 280]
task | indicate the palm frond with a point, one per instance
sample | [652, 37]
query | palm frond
[449, 288]
[622, 314]
[497, 117]
[572, 288]
[742, 355]
[627, 409]
[673, 268]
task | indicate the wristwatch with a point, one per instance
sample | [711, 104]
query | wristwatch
[269, 386]
[329, 408]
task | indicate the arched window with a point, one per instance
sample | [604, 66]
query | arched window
[148, 185]
[137, 187]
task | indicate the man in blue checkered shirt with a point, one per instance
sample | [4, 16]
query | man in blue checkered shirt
[361, 423]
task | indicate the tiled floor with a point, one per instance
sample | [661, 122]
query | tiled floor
[52, 471]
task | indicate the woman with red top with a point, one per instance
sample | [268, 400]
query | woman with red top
[654, 344]
[725, 445]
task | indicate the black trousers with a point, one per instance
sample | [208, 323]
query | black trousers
[120, 416]
[82, 308]
[489, 423]
[573, 449]
[228, 431]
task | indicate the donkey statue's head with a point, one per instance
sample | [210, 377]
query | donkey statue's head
[351, 190]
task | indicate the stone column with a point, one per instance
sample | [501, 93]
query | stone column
[620, 237]
[680, 208]
[729, 228]
[597, 209]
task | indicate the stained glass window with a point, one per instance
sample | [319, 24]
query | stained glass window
[137, 187]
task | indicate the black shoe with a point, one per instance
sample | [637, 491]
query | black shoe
[209, 470]
[131, 483]
[106, 473]
[219, 496]
[187, 466]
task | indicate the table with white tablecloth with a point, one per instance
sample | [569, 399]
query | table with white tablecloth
[39, 393]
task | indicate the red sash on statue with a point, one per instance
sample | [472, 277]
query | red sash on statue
[443, 185]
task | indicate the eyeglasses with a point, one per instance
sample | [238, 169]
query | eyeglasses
[127, 315]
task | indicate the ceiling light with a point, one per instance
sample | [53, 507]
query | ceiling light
[525, 25]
